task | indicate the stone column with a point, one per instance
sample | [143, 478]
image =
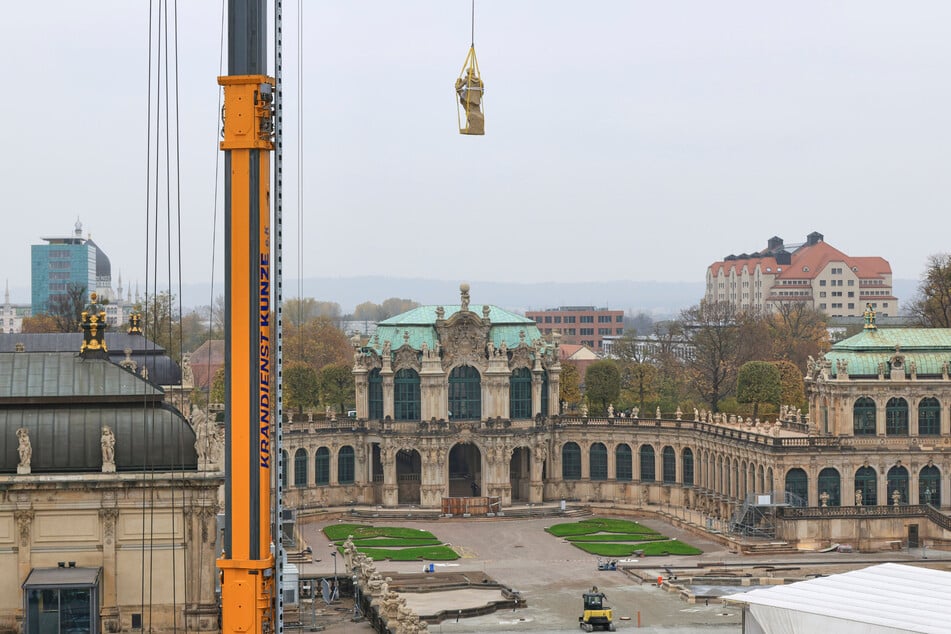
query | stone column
[391, 496]
[360, 380]
[536, 492]
[201, 612]
[109, 610]
[585, 460]
[880, 417]
[913, 497]
[23, 517]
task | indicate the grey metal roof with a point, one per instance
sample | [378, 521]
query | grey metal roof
[50, 376]
[62, 577]
[162, 370]
[67, 439]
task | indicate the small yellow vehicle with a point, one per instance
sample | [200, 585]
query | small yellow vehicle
[596, 615]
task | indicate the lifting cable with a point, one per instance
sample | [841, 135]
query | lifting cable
[160, 310]
[470, 89]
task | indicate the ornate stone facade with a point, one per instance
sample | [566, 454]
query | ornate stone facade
[711, 464]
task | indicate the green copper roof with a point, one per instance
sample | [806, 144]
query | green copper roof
[417, 326]
[426, 316]
[928, 348]
[932, 339]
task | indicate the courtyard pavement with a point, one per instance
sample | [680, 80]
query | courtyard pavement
[551, 575]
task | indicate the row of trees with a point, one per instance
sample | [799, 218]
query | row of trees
[695, 360]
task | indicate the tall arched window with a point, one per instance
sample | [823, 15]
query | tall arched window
[897, 478]
[929, 417]
[322, 467]
[866, 481]
[465, 393]
[863, 417]
[570, 461]
[686, 457]
[284, 468]
[300, 468]
[345, 466]
[598, 454]
[896, 417]
[669, 459]
[797, 483]
[520, 394]
[929, 486]
[623, 463]
[545, 411]
[829, 483]
[648, 467]
[406, 395]
[375, 395]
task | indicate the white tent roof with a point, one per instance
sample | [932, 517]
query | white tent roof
[877, 599]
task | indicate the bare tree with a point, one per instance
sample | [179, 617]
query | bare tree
[932, 306]
[66, 308]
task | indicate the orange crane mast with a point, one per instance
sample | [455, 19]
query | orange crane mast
[247, 564]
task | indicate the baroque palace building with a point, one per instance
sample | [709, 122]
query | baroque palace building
[455, 402]
[108, 496]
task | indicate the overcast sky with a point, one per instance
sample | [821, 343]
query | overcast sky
[624, 139]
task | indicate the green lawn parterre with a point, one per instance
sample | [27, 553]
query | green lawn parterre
[391, 542]
[619, 538]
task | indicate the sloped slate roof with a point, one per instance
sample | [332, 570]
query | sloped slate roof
[162, 370]
[929, 348]
[52, 376]
[886, 597]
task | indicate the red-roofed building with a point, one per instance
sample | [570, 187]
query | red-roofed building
[814, 272]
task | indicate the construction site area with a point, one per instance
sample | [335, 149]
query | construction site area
[512, 575]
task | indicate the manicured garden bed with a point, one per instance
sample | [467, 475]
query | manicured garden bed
[391, 542]
[619, 538]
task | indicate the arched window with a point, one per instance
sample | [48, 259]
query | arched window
[929, 417]
[863, 417]
[300, 468]
[897, 478]
[375, 395]
[896, 417]
[284, 468]
[465, 393]
[686, 457]
[866, 481]
[345, 467]
[322, 467]
[797, 484]
[648, 467]
[829, 483]
[599, 461]
[929, 486]
[520, 394]
[669, 459]
[406, 395]
[570, 461]
[623, 463]
[545, 411]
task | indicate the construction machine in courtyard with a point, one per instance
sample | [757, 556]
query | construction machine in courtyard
[596, 615]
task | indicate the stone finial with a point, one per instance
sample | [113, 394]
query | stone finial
[464, 296]
[869, 316]
[485, 311]
[440, 312]
[93, 323]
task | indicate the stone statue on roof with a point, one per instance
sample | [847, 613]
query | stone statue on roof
[25, 450]
[108, 443]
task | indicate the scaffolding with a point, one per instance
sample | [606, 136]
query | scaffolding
[757, 515]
